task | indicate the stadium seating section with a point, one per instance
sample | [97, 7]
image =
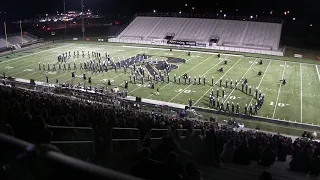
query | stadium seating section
[168, 152]
[248, 34]
[15, 39]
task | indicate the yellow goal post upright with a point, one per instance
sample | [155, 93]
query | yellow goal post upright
[21, 32]
[5, 32]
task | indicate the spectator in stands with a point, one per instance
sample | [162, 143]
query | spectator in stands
[302, 161]
[315, 164]
[268, 156]
[147, 168]
[229, 150]
[212, 156]
[265, 175]
[192, 172]
[168, 144]
[172, 167]
[282, 152]
[242, 155]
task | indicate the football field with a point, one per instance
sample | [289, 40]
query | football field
[297, 100]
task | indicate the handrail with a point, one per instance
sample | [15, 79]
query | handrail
[69, 127]
[76, 142]
[62, 166]
[72, 167]
[70, 142]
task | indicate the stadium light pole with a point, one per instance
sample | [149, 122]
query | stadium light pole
[82, 20]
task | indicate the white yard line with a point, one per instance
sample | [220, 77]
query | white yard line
[240, 79]
[275, 106]
[301, 91]
[219, 78]
[201, 76]
[4, 62]
[261, 79]
[318, 72]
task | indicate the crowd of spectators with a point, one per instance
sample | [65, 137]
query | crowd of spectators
[29, 114]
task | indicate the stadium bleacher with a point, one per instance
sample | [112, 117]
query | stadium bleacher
[3, 43]
[256, 35]
[244, 154]
[16, 39]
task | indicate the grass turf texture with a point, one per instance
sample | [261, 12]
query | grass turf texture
[298, 100]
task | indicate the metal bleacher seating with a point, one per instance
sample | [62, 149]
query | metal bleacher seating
[15, 40]
[249, 34]
[263, 35]
[3, 43]
[167, 25]
[140, 27]
[196, 30]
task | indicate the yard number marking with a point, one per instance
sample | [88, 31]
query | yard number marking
[282, 65]
[279, 104]
[184, 91]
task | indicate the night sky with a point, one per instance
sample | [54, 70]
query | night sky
[307, 10]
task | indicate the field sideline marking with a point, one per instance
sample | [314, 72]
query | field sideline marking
[219, 78]
[276, 104]
[318, 72]
[240, 79]
[301, 90]
[201, 76]
[35, 53]
[261, 79]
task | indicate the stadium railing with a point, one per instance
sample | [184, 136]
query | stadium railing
[125, 137]
[69, 139]
[24, 160]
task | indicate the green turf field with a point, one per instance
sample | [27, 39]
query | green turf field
[298, 100]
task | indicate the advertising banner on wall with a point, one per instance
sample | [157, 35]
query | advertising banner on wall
[187, 43]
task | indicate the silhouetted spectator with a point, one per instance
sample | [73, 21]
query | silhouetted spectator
[192, 172]
[146, 167]
[242, 155]
[265, 175]
[229, 150]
